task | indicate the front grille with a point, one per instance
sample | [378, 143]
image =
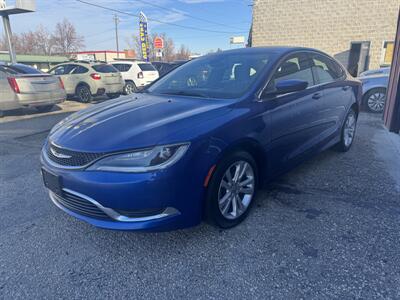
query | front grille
[73, 159]
[80, 206]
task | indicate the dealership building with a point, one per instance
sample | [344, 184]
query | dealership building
[360, 34]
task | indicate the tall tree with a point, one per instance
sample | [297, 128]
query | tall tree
[65, 38]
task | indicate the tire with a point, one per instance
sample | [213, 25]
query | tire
[374, 100]
[45, 108]
[83, 94]
[220, 212]
[112, 96]
[130, 88]
[347, 132]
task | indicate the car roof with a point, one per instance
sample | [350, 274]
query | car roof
[131, 62]
[282, 50]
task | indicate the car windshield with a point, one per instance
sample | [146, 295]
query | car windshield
[229, 75]
[104, 68]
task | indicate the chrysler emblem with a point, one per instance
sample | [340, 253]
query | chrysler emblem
[59, 155]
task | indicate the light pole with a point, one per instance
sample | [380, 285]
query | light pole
[116, 20]
[21, 6]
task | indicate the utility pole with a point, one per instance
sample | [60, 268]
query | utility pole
[116, 20]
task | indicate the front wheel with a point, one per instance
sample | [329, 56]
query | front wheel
[130, 88]
[231, 190]
[348, 132]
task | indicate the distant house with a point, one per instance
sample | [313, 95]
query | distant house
[102, 55]
[360, 34]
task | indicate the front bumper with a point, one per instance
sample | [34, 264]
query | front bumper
[175, 198]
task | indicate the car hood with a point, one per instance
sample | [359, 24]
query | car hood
[135, 121]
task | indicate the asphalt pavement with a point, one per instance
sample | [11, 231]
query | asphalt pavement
[328, 229]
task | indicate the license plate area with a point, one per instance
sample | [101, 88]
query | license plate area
[52, 182]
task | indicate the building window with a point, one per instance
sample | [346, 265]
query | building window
[388, 48]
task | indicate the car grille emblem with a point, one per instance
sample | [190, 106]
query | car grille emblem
[59, 155]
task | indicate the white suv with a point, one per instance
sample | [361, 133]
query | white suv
[137, 74]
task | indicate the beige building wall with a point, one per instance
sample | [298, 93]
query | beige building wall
[328, 25]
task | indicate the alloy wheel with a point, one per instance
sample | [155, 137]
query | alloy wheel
[349, 129]
[129, 89]
[84, 95]
[376, 102]
[236, 190]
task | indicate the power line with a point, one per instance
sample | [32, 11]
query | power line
[185, 14]
[150, 19]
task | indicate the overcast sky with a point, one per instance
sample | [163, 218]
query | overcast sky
[96, 25]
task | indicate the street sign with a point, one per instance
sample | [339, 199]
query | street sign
[237, 40]
[158, 43]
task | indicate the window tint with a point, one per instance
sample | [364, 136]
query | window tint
[63, 69]
[296, 67]
[79, 70]
[104, 68]
[326, 70]
[122, 67]
[146, 67]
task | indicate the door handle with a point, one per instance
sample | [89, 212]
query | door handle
[317, 96]
[345, 88]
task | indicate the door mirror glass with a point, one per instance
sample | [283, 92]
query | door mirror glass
[286, 86]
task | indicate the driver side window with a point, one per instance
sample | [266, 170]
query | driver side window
[297, 66]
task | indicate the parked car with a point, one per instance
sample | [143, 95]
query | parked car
[198, 143]
[166, 67]
[375, 83]
[22, 85]
[380, 71]
[136, 74]
[84, 79]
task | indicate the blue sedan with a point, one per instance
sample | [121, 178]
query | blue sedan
[197, 143]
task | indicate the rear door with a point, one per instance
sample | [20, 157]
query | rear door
[336, 94]
[295, 117]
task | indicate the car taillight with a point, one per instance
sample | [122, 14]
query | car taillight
[13, 84]
[140, 75]
[95, 76]
[61, 83]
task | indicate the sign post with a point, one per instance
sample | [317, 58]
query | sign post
[158, 46]
[21, 6]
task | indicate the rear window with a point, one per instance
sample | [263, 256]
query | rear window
[20, 69]
[147, 67]
[104, 68]
[122, 67]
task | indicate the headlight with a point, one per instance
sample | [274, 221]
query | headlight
[159, 157]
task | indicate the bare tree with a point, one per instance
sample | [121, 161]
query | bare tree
[65, 38]
[183, 53]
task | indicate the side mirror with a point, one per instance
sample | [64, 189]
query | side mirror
[286, 86]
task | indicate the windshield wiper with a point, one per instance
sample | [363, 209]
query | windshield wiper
[187, 93]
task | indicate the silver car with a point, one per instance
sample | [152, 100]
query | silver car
[374, 86]
[23, 86]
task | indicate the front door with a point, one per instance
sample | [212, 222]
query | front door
[294, 116]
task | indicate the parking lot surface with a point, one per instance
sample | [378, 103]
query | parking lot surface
[329, 229]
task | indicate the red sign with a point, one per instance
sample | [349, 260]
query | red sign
[158, 43]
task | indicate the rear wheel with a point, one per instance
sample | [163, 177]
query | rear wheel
[375, 100]
[45, 108]
[348, 132]
[231, 190]
[83, 93]
[130, 88]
